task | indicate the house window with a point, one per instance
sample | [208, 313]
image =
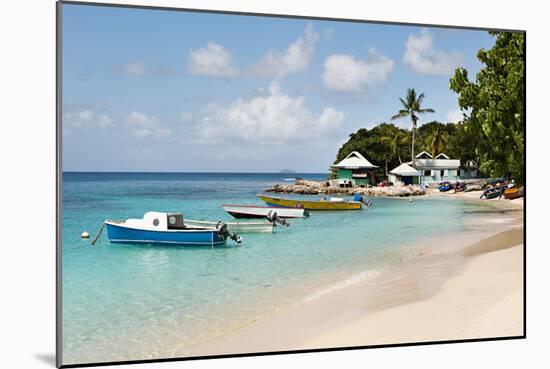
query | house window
[458, 172]
[428, 173]
[442, 173]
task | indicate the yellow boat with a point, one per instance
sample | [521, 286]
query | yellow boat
[323, 204]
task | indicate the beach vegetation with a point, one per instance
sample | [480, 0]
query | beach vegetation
[438, 141]
[378, 146]
[495, 101]
[395, 140]
[412, 107]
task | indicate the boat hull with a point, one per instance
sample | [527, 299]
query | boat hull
[252, 211]
[513, 193]
[235, 227]
[444, 187]
[492, 194]
[311, 205]
[120, 233]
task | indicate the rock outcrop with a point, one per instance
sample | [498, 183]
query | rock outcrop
[305, 187]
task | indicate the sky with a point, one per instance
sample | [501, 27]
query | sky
[153, 90]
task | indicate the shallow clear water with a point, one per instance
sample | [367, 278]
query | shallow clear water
[127, 302]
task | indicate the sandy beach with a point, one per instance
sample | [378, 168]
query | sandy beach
[474, 291]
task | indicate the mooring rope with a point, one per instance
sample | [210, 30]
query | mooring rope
[98, 233]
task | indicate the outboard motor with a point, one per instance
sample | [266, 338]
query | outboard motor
[221, 227]
[275, 219]
[359, 198]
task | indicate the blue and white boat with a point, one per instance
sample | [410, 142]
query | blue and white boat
[167, 229]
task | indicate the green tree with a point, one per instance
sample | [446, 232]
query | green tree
[496, 100]
[371, 145]
[438, 141]
[395, 142]
[412, 105]
[463, 143]
[425, 132]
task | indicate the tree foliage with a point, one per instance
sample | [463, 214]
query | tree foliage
[387, 144]
[437, 141]
[395, 140]
[374, 144]
[412, 107]
[496, 100]
[426, 133]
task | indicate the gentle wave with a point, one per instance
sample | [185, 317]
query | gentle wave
[354, 279]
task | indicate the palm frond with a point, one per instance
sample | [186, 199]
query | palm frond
[422, 111]
[419, 99]
[411, 96]
[405, 105]
[402, 113]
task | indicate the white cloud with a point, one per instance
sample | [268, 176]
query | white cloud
[132, 69]
[78, 116]
[212, 60]
[455, 116]
[271, 117]
[296, 58]
[86, 115]
[186, 117]
[421, 56]
[142, 125]
[347, 74]
[104, 121]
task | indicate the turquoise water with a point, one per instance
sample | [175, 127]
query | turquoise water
[124, 302]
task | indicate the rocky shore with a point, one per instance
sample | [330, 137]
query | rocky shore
[305, 187]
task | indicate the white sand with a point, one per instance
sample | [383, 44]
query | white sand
[485, 300]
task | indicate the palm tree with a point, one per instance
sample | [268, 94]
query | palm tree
[394, 142]
[412, 107]
[438, 141]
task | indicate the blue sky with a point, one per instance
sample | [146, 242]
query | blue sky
[149, 90]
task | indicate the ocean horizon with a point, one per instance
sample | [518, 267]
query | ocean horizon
[189, 172]
[125, 302]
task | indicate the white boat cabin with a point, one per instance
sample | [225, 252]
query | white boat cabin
[154, 220]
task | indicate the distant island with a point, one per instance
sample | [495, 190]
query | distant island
[287, 171]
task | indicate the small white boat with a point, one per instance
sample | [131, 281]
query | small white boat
[254, 211]
[235, 227]
[166, 229]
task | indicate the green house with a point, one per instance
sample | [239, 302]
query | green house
[353, 171]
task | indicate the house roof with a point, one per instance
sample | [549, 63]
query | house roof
[405, 170]
[422, 164]
[442, 156]
[354, 161]
[424, 153]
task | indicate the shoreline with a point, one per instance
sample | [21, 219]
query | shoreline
[370, 311]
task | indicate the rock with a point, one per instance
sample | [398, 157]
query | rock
[306, 187]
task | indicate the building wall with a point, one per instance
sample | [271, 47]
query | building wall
[347, 174]
[403, 180]
[435, 175]
[344, 173]
[360, 181]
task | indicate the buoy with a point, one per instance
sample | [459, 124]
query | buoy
[84, 235]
